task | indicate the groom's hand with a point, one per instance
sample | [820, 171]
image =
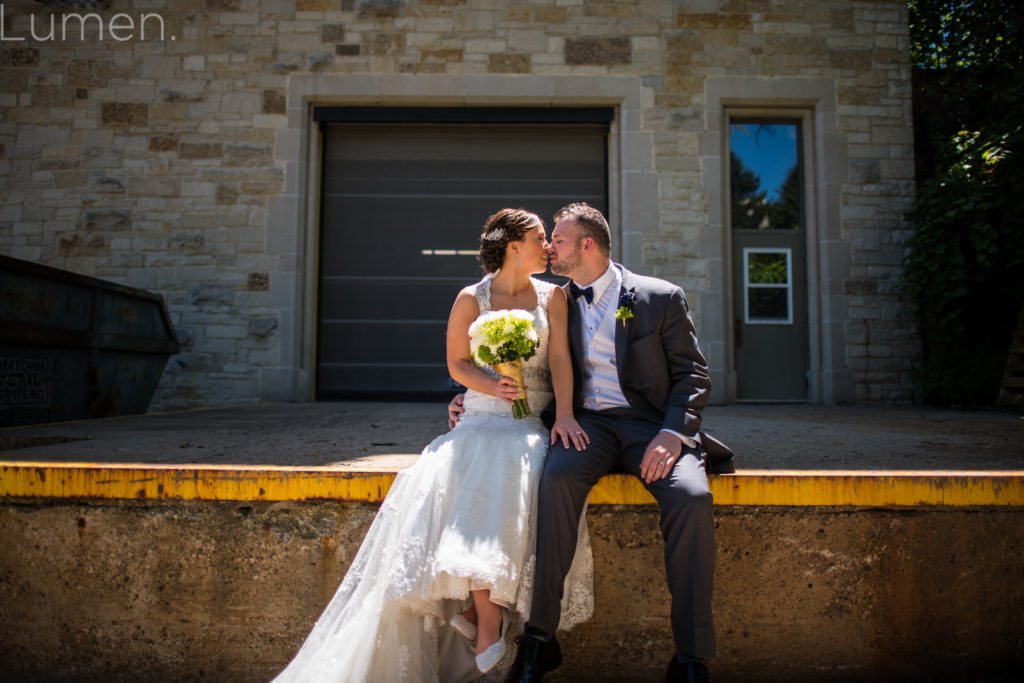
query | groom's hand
[661, 454]
[454, 410]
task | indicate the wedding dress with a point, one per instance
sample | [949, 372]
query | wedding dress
[462, 518]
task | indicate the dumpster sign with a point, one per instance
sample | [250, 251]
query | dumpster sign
[24, 389]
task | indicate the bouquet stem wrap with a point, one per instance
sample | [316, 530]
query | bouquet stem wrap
[514, 369]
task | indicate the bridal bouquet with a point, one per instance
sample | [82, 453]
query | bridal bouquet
[503, 340]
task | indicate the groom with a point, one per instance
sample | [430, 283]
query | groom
[640, 383]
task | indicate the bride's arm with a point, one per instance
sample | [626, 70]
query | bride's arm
[460, 361]
[559, 362]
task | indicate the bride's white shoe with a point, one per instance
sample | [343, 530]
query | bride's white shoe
[489, 658]
[464, 627]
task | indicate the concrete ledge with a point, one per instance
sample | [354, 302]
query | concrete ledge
[36, 480]
[117, 590]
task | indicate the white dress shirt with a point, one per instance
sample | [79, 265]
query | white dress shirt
[601, 388]
[600, 374]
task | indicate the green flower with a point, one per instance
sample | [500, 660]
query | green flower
[503, 336]
[626, 302]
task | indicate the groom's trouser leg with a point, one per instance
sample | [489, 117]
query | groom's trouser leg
[688, 527]
[564, 485]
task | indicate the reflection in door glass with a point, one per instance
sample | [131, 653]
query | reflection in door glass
[764, 305]
[767, 292]
[764, 175]
[767, 268]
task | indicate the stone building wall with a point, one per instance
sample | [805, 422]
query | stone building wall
[149, 152]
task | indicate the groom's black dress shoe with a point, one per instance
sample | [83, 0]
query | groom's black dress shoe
[534, 658]
[691, 672]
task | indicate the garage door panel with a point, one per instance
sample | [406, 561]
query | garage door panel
[403, 206]
[388, 299]
[446, 176]
[397, 382]
[395, 342]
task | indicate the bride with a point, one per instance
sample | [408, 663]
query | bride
[447, 565]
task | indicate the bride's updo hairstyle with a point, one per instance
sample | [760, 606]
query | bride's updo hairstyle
[508, 225]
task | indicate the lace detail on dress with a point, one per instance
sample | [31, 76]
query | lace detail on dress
[535, 371]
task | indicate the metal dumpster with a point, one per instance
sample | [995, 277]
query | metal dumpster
[73, 347]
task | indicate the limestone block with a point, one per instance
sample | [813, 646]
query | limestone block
[383, 44]
[729, 21]
[470, 21]
[528, 42]
[509, 64]
[29, 135]
[273, 102]
[124, 114]
[108, 185]
[210, 294]
[152, 187]
[193, 63]
[598, 51]
[262, 327]
[160, 67]
[198, 189]
[78, 244]
[64, 180]
[201, 150]
[379, 9]
[258, 282]
[442, 56]
[332, 33]
[163, 143]
[85, 73]
[19, 56]
[618, 11]
[248, 155]
[551, 15]
[105, 219]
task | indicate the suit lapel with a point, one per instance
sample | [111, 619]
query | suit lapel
[622, 332]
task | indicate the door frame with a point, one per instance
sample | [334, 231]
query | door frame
[804, 117]
[829, 255]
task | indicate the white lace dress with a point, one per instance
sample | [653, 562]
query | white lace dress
[462, 518]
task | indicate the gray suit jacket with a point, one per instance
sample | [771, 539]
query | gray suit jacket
[662, 372]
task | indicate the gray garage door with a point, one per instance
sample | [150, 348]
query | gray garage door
[402, 210]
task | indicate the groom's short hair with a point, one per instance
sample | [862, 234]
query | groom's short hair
[592, 224]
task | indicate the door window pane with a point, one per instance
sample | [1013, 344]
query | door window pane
[764, 175]
[764, 268]
[767, 286]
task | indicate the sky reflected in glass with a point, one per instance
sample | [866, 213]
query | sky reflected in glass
[767, 149]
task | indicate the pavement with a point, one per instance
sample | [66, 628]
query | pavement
[391, 435]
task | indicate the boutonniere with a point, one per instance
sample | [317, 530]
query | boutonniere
[627, 300]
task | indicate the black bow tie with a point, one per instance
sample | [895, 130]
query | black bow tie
[578, 291]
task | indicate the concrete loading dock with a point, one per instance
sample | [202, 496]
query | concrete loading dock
[171, 570]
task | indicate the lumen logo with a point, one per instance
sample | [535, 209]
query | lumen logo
[71, 26]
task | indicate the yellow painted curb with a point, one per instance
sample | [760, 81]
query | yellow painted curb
[190, 482]
[42, 480]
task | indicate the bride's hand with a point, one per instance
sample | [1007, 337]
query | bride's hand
[569, 431]
[506, 389]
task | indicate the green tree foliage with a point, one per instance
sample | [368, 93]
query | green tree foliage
[785, 212]
[749, 201]
[965, 268]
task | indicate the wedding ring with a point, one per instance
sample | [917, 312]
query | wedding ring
[662, 462]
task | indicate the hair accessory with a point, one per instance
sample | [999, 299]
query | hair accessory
[494, 235]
